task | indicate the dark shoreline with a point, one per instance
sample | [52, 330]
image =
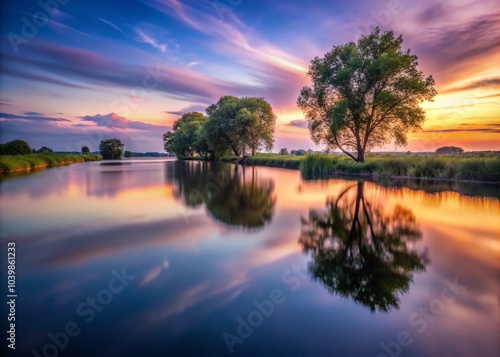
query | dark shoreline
[339, 174]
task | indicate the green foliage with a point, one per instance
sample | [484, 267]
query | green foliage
[45, 150]
[111, 149]
[11, 163]
[187, 136]
[85, 150]
[233, 195]
[472, 167]
[127, 153]
[284, 151]
[360, 251]
[365, 94]
[242, 126]
[450, 167]
[15, 147]
[447, 150]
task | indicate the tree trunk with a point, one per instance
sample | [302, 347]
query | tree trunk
[361, 155]
[235, 151]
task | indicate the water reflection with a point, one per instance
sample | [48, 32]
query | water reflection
[232, 194]
[361, 252]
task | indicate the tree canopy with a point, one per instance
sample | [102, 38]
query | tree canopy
[360, 251]
[187, 136]
[111, 149]
[365, 94]
[45, 150]
[242, 125]
[450, 150]
[233, 195]
[85, 150]
[15, 147]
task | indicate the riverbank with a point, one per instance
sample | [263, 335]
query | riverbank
[20, 163]
[482, 167]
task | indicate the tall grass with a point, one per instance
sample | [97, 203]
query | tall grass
[273, 160]
[450, 167]
[9, 163]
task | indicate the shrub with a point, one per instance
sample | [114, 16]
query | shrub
[16, 147]
[447, 150]
[45, 150]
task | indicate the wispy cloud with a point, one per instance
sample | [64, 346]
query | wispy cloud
[58, 62]
[31, 116]
[493, 82]
[113, 120]
[32, 113]
[111, 24]
[192, 108]
[146, 38]
[487, 128]
[298, 123]
[62, 133]
[233, 31]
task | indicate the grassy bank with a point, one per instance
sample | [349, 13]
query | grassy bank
[272, 160]
[20, 163]
[467, 167]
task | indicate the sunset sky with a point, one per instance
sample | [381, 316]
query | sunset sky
[75, 72]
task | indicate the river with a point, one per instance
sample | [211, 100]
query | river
[156, 257]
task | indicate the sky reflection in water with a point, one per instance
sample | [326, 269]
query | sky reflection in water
[356, 261]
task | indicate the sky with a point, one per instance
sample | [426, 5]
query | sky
[76, 72]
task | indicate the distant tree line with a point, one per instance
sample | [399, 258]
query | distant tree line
[21, 147]
[449, 150]
[237, 126]
[300, 152]
[110, 149]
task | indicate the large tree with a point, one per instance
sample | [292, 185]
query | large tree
[187, 136]
[365, 94]
[362, 251]
[111, 149]
[241, 125]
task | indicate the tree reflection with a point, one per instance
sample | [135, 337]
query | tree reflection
[232, 194]
[362, 253]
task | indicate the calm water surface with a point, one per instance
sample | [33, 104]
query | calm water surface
[167, 258]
